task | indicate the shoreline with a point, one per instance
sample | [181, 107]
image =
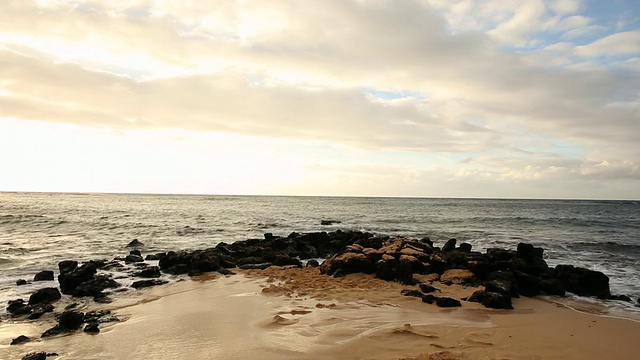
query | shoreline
[291, 313]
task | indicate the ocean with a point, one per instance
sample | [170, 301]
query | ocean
[37, 230]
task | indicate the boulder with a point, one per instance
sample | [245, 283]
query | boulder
[133, 258]
[67, 266]
[508, 276]
[135, 243]
[447, 302]
[411, 292]
[71, 319]
[386, 268]
[70, 277]
[464, 247]
[491, 299]
[584, 282]
[349, 262]
[450, 245]
[552, 287]
[35, 356]
[500, 286]
[38, 310]
[95, 286]
[91, 328]
[18, 307]
[149, 272]
[21, 282]
[312, 263]
[426, 288]
[528, 285]
[147, 283]
[45, 296]
[45, 275]
[404, 270]
[20, 340]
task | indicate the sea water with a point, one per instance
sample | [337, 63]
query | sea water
[37, 230]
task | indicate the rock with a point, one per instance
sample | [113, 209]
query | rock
[153, 257]
[46, 295]
[260, 266]
[386, 268]
[18, 307]
[177, 269]
[339, 273]
[21, 282]
[525, 251]
[584, 282]
[528, 285]
[458, 276]
[71, 319]
[149, 272]
[503, 275]
[135, 243]
[45, 275]
[552, 287]
[447, 302]
[426, 288]
[329, 222]
[70, 279]
[411, 292]
[20, 339]
[464, 247]
[225, 271]
[147, 283]
[135, 252]
[429, 299]
[312, 263]
[67, 266]
[56, 330]
[35, 356]
[133, 258]
[102, 299]
[95, 315]
[39, 310]
[404, 270]
[621, 298]
[349, 262]
[450, 245]
[491, 299]
[92, 328]
[501, 286]
[95, 286]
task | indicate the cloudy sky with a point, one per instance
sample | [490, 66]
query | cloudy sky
[443, 98]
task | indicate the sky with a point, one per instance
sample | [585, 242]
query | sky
[425, 98]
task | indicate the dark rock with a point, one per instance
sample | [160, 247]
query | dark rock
[449, 245]
[35, 356]
[20, 339]
[464, 247]
[429, 299]
[135, 252]
[260, 266]
[39, 310]
[552, 287]
[102, 299]
[426, 240]
[67, 266]
[370, 242]
[528, 285]
[92, 328]
[584, 282]
[480, 267]
[426, 288]
[503, 275]
[21, 282]
[46, 295]
[621, 298]
[447, 302]
[501, 286]
[312, 263]
[411, 292]
[56, 330]
[70, 279]
[525, 251]
[45, 275]
[95, 315]
[95, 286]
[339, 273]
[386, 268]
[329, 222]
[133, 258]
[284, 260]
[268, 236]
[71, 319]
[154, 256]
[404, 272]
[71, 306]
[177, 269]
[135, 243]
[147, 283]
[491, 299]
[225, 271]
[18, 307]
[149, 272]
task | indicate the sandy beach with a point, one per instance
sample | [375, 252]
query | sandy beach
[288, 313]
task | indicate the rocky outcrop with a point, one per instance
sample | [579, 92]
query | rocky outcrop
[584, 282]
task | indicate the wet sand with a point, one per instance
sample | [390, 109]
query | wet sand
[284, 313]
